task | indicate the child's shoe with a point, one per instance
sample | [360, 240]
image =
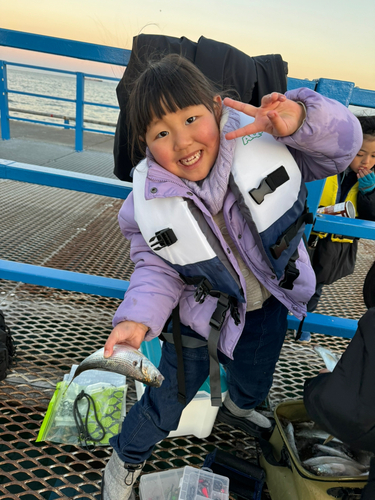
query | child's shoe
[250, 421]
[118, 479]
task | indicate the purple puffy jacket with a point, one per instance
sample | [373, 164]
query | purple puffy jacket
[325, 145]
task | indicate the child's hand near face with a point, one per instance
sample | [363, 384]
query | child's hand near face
[363, 171]
[276, 115]
[126, 332]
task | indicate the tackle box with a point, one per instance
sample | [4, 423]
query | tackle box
[187, 483]
[289, 479]
[199, 416]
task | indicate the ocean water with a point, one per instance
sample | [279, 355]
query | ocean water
[61, 85]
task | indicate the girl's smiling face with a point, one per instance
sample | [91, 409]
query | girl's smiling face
[186, 143]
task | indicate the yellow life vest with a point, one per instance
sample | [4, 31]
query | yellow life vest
[328, 198]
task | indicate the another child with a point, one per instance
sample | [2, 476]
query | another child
[335, 256]
[191, 183]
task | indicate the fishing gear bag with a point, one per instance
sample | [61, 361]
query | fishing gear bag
[7, 348]
[287, 479]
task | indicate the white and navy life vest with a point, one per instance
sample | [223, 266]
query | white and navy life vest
[271, 195]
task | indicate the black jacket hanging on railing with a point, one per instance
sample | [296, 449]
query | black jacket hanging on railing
[224, 65]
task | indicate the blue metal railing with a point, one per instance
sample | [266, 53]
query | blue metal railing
[79, 102]
[344, 92]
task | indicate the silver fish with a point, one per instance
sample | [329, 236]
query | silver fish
[317, 461]
[310, 433]
[289, 432]
[334, 470]
[330, 358]
[125, 360]
[329, 450]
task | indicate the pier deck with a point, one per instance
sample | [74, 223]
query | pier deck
[54, 329]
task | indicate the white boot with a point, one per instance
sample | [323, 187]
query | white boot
[118, 479]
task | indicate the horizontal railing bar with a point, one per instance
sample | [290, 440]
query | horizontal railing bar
[363, 97]
[95, 130]
[64, 280]
[64, 47]
[41, 96]
[54, 70]
[356, 228]
[62, 125]
[99, 104]
[328, 325]
[63, 117]
[64, 179]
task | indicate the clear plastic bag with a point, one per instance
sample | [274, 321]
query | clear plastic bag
[108, 393]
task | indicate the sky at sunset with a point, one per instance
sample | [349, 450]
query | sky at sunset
[325, 38]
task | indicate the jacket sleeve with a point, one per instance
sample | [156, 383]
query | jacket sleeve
[328, 140]
[154, 288]
[366, 205]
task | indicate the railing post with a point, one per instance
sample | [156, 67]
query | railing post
[79, 111]
[4, 108]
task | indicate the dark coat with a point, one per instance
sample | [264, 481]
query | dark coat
[335, 260]
[343, 402]
[226, 66]
[369, 288]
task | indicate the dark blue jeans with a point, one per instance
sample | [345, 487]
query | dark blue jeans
[249, 378]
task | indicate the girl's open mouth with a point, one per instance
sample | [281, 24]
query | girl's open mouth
[191, 160]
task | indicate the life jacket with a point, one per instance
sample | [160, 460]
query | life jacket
[329, 197]
[271, 194]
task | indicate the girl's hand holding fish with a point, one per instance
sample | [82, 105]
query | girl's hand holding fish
[126, 332]
[276, 115]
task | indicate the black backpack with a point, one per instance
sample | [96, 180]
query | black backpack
[7, 348]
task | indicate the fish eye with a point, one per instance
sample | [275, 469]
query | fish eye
[135, 363]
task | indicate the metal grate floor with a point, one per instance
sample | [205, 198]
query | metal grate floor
[54, 329]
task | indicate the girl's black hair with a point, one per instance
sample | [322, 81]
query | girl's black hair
[165, 86]
[367, 124]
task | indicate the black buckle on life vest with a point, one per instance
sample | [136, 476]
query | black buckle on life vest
[164, 238]
[269, 184]
[291, 273]
[203, 289]
[218, 317]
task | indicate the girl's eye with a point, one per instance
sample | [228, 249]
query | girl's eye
[162, 134]
[191, 119]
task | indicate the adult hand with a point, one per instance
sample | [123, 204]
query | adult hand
[276, 115]
[126, 332]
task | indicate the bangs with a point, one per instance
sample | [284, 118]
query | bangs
[166, 86]
[167, 90]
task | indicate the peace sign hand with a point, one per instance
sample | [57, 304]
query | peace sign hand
[276, 115]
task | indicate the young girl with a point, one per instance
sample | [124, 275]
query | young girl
[182, 199]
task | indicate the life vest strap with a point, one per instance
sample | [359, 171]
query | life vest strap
[216, 323]
[287, 236]
[224, 303]
[180, 359]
